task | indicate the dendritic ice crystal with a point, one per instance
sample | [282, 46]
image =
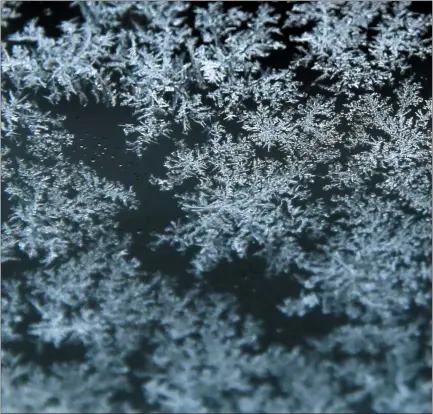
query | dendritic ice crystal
[287, 156]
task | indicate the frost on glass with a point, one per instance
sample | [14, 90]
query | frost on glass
[319, 167]
[339, 49]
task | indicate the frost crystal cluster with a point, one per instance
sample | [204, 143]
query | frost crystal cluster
[295, 136]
